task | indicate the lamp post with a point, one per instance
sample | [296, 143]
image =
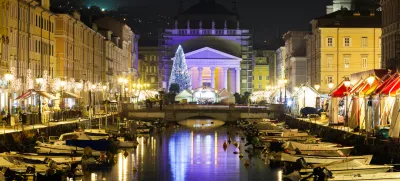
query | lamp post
[370, 80]
[347, 84]
[317, 86]
[330, 85]
[284, 83]
[39, 81]
[9, 77]
[62, 85]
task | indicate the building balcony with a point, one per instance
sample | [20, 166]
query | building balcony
[206, 32]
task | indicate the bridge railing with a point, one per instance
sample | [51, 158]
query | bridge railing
[239, 108]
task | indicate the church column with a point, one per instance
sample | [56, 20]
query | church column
[237, 79]
[226, 78]
[212, 77]
[200, 69]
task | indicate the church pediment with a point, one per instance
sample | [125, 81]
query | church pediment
[209, 53]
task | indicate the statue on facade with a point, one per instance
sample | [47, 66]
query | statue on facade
[201, 24]
[225, 25]
[213, 24]
[188, 24]
[176, 24]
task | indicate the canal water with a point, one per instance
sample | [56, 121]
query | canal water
[192, 153]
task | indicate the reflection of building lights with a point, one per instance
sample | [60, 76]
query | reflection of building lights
[191, 147]
[93, 176]
[215, 147]
[280, 175]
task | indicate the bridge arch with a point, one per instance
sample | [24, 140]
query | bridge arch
[180, 116]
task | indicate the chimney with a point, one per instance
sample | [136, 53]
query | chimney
[77, 15]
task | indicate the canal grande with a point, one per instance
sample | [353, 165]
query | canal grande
[193, 152]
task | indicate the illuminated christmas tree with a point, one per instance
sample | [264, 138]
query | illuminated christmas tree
[180, 73]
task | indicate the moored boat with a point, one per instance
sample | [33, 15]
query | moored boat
[284, 157]
[348, 166]
[387, 176]
[316, 149]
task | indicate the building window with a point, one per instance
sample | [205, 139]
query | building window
[244, 81]
[364, 62]
[267, 77]
[329, 79]
[259, 86]
[346, 61]
[364, 42]
[329, 42]
[346, 42]
[329, 61]
[152, 79]
[259, 77]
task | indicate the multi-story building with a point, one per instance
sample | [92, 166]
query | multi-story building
[280, 64]
[27, 42]
[264, 71]
[295, 59]
[79, 50]
[218, 51]
[127, 42]
[342, 43]
[148, 66]
[113, 58]
[390, 34]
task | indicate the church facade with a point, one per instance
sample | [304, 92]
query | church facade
[218, 51]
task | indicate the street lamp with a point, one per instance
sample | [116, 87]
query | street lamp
[284, 82]
[371, 80]
[330, 85]
[62, 86]
[9, 77]
[39, 81]
[347, 84]
[317, 86]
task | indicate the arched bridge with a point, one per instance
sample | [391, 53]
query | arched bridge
[220, 112]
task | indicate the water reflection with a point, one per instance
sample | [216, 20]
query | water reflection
[185, 155]
[201, 124]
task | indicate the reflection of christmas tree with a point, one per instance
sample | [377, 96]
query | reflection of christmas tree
[180, 73]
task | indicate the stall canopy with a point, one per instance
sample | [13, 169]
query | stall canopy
[70, 95]
[31, 92]
[185, 94]
[392, 86]
[340, 90]
[363, 88]
[226, 97]
[388, 79]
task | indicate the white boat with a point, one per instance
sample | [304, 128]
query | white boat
[16, 164]
[387, 176]
[96, 134]
[42, 158]
[316, 149]
[284, 157]
[349, 166]
[60, 146]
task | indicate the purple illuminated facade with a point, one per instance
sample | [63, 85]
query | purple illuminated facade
[218, 52]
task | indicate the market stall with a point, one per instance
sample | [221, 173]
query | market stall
[184, 96]
[305, 96]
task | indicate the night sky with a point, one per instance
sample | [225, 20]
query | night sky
[268, 19]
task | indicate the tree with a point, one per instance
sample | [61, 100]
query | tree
[246, 97]
[180, 74]
[237, 98]
[174, 88]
